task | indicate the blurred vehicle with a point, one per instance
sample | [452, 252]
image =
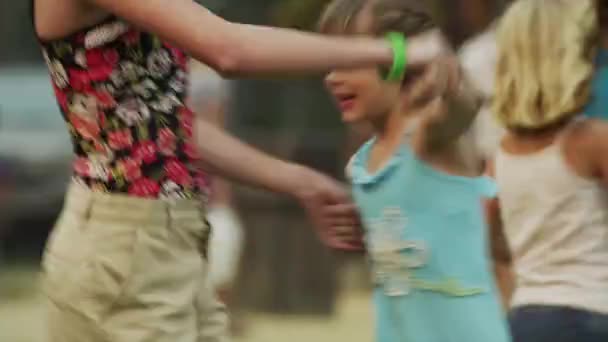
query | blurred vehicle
[35, 152]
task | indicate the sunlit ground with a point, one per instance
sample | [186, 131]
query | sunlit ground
[21, 318]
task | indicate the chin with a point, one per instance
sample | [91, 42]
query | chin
[352, 117]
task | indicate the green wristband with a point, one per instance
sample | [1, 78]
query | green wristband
[399, 47]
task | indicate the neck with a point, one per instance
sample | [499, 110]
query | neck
[389, 129]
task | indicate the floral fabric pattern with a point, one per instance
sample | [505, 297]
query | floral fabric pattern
[122, 93]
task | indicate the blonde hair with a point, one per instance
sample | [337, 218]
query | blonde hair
[545, 62]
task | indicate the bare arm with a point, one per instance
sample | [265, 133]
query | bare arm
[586, 148]
[327, 202]
[240, 49]
[501, 255]
[229, 157]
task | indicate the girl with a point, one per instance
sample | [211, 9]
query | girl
[127, 258]
[551, 171]
[421, 204]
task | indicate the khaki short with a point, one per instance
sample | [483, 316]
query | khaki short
[124, 269]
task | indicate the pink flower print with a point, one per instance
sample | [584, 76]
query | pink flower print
[166, 103]
[170, 190]
[166, 142]
[88, 129]
[159, 63]
[145, 151]
[111, 57]
[81, 167]
[61, 97]
[131, 37]
[80, 37]
[119, 140]
[58, 74]
[101, 119]
[104, 99]
[80, 57]
[178, 82]
[180, 58]
[133, 111]
[79, 80]
[100, 73]
[84, 105]
[144, 187]
[186, 120]
[131, 72]
[95, 57]
[177, 172]
[99, 168]
[191, 151]
[104, 34]
[130, 168]
[101, 57]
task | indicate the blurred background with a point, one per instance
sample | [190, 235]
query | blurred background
[286, 284]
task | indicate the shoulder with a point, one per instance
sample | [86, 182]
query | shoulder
[585, 145]
[586, 135]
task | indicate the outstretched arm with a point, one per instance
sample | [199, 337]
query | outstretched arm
[232, 48]
[327, 201]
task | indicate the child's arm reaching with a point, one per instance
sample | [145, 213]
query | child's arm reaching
[448, 101]
[232, 48]
[501, 255]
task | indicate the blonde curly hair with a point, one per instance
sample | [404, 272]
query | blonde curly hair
[546, 50]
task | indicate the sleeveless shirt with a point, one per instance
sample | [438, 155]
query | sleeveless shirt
[556, 224]
[122, 94]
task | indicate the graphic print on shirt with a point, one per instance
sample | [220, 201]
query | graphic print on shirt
[394, 259]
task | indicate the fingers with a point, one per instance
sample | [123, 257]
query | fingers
[350, 242]
[426, 47]
[440, 79]
[424, 89]
[341, 210]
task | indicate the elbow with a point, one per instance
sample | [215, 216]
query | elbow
[227, 62]
[227, 58]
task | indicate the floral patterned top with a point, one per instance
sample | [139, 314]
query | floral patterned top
[122, 94]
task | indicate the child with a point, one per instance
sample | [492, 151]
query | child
[552, 173]
[127, 259]
[420, 203]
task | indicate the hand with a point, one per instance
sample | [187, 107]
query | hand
[331, 209]
[344, 230]
[426, 47]
[438, 81]
[446, 103]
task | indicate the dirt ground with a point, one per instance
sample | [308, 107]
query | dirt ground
[21, 317]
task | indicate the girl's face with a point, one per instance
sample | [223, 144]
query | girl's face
[361, 95]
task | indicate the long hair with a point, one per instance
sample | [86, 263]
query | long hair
[545, 62]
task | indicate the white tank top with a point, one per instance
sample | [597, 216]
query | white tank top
[556, 223]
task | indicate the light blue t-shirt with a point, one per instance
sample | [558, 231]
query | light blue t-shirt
[429, 252]
[598, 104]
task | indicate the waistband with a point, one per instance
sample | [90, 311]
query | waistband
[82, 201]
